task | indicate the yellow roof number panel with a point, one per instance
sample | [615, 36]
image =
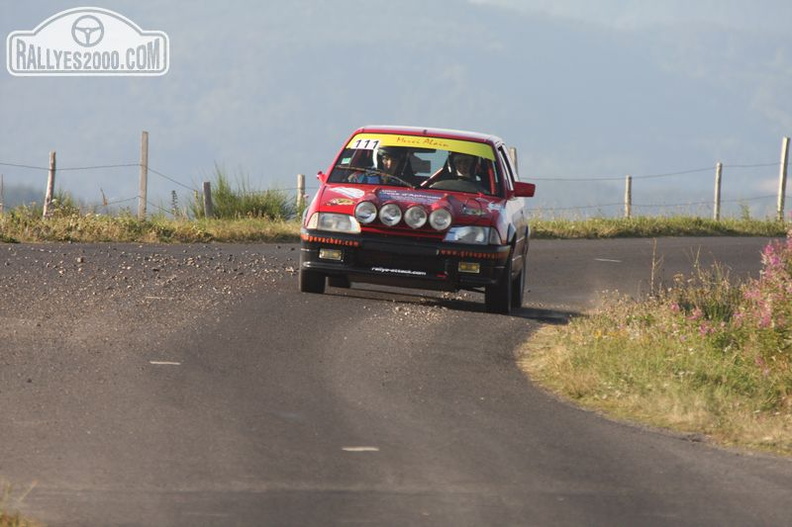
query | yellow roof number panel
[372, 141]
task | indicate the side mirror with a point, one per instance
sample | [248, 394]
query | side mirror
[321, 176]
[524, 190]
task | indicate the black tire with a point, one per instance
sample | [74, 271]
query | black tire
[339, 281]
[311, 281]
[518, 289]
[498, 297]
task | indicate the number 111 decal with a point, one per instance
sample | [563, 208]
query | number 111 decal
[365, 144]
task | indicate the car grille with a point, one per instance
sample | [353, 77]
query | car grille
[411, 258]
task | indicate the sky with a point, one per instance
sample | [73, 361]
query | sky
[588, 93]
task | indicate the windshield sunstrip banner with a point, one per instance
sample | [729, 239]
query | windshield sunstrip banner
[373, 141]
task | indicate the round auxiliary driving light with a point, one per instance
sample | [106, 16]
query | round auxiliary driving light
[365, 212]
[440, 219]
[415, 217]
[390, 214]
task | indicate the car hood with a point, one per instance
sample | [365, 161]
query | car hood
[467, 209]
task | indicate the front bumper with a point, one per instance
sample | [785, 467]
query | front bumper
[403, 262]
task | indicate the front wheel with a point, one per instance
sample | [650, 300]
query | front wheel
[498, 297]
[339, 281]
[518, 289]
[311, 281]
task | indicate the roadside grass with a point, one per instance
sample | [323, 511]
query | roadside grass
[240, 214]
[707, 355]
[269, 218]
[15, 520]
[652, 227]
[9, 516]
[26, 225]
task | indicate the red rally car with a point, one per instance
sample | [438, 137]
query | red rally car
[421, 208]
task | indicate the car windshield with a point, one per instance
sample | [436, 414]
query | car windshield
[419, 162]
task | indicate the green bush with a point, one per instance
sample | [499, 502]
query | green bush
[243, 202]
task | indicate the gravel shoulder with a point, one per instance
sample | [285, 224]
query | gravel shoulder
[80, 292]
[66, 308]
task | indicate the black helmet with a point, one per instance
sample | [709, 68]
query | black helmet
[456, 157]
[392, 151]
[396, 152]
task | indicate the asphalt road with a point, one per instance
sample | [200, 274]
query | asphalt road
[194, 386]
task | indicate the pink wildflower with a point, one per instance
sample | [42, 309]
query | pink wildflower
[706, 329]
[760, 362]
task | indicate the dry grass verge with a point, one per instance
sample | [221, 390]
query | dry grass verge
[705, 356]
[9, 503]
[26, 225]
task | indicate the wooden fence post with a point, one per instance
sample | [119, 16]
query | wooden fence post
[628, 197]
[50, 186]
[300, 194]
[716, 205]
[143, 188]
[513, 156]
[207, 200]
[782, 176]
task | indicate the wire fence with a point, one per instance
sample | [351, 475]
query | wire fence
[747, 185]
[132, 200]
[578, 196]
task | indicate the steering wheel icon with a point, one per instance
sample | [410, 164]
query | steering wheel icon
[87, 31]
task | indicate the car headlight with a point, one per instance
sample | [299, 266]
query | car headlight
[329, 221]
[366, 212]
[469, 234]
[390, 214]
[416, 217]
[440, 219]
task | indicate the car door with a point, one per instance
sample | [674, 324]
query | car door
[515, 210]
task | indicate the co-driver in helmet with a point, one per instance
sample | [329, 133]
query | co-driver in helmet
[463, 166]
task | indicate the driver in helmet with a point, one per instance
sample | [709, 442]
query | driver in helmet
[392, 167]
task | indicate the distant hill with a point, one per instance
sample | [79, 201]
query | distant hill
[271, 89]
[14, 196]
